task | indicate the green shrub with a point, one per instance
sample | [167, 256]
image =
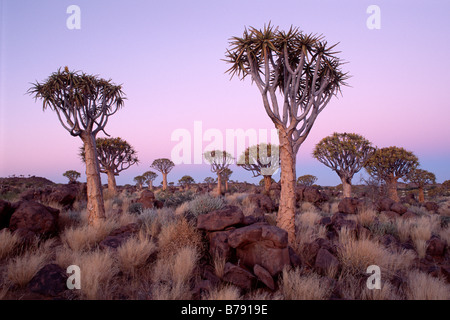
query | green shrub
[382, 228]
[135, 208]
[205, 203]
[174, 199]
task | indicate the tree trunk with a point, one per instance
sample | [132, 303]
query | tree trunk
[150, 185]
[391, 186]
[95, 205]
[219, 185]
[346, 188]
[112, 187]
[286, 212]
[421, 195]
[267, 184]
[226, 185]
[164, 181]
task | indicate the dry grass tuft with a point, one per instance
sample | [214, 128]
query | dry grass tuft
[295, 286]
[8, 243]
[226, 292]
[85, 237]
[133, 254]
[422, 286]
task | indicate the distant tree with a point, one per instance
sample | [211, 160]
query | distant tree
[139, 181]
[226, 174]
[263, 182]
[185, 181]
[209, 180]
[149, 177]
[262, 160]
[297, 74]
[346, 154]
[446, 184]
[307, 180]
[219, 161]
[390, 164]
[72, 175]
[114, 156]
[83, 104]
[164, 166]
[421, 178]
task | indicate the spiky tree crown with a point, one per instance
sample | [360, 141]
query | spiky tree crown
[421, 177]
[391, 163]
[72, 175]
[113, 154]
[307, 180]
[163, 165]
[345, 153]
[226, 174]
[219, 160]
[82, 102]
[149, 176]
[186, 180]
[262, 159]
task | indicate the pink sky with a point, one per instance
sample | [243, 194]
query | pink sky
[168, 57]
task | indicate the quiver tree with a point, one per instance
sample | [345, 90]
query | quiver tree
[164, 166]
[346, 154]
[226, 174]
[139, 180]
[219, 161]
[389, 165]
[262, 160]
[306, 180]
[186, 181]
[149, 177]
[421, 178]
[114, 156]
[72, 175]
[306, 73]
[83, 104]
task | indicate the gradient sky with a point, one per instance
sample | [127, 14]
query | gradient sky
[167, 55]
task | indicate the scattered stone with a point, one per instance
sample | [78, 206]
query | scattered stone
[294, 258]
[435, 246]
[325, 261]
[218, 244]
[49, 281]
[350, 205]
[264, 276]
[119, 236]
[238, 276]
[431, 206]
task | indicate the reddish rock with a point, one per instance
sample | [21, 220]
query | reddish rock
[238, 276]
[274, 236]
[6, 212]
[399, 208]
[431, 206]
[435, 246]
[390, 214]
[147, 199]
[261, 201]
[32, 219]
[409, 215]
[118, 236]
[218, 244]
[49, 281]
[385, 204]
[294, 258]
[350, 205]
[325, 221]
[313, 195]
[325, 261]
[220, 219]
[264, 276]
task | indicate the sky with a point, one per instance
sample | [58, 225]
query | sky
[168, 57]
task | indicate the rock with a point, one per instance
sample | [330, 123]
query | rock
[220, 219]
[294, 258]
[218, 244]
[238, 276]
[445, 271]
[385, 204]
[264, 276]
[350, 205]
[49, 281]
[118, 236]
[325, 221]
[409, 215]
[325, 261]
[313, 195]
[6, 212]
[388, 240]
[274, 236]
[261, 201]
[31, 219]
[147, 199]
[435, 246]
[64, 195]
[390, 214]
[431, 206]
[399, 208]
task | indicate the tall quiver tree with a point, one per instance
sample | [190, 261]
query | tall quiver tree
[219, 161]
[114, 156]
[83, 104]
[149, 177]
[421, 178]
[390, 164]
[306, 73]
[164, 166]
[226, 174]
[72, 175]
[262, 160]
[346, 154]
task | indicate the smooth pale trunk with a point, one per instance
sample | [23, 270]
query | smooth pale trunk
[164, 181]
[112, 186]
[346, 188]
[286, 212]
[95, 205]
[421, 195]
[391, 186]
[150, 185]
[219, 185]
[267, 184]
[226, 185]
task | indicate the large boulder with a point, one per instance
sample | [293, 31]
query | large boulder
[350, 205]
[261, 201]
[6, 212]
[431, 206]
[398, 208]
[65, 195]
[238, 276]
[220, 219]
[31, 219]
[310, 194]
[264, 276]
[147, 199]
[218, 244]
[385, 204]
[435, 246]
[325, 261]
[261, 244]
[51, 280]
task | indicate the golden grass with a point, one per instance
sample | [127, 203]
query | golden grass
[8, 243]
[219, 265]
[308, 218]
[422, 286]
[133, 254]
[226, 292]
[386, 292]
[366, 217]
[295, 286]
